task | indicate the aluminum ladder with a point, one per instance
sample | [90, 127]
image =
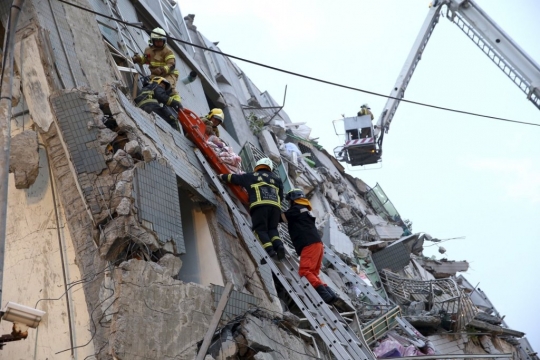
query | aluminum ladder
[342, 342]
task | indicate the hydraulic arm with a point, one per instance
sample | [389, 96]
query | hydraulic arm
[486, 34]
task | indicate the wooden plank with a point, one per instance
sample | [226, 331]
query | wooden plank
[215, 321]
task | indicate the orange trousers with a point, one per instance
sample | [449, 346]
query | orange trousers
[310, 263]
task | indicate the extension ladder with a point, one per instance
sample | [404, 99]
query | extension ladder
[328, 324]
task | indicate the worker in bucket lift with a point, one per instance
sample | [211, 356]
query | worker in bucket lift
[156, 97]
[214, 118]
[160, 60]
[265, 191]
[365, 110]
[307, 242]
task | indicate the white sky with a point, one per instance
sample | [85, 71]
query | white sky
[451, 174]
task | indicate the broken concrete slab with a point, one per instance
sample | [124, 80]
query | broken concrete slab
[333, 236]
[171, 265]
[155, 316]
[119, 232]
[133, 147]
[106, 136]
[443, 268]
[270, 342]
[24, 159]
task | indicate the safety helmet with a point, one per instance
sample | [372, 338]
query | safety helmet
[158, 34]
[160, 80]
[365, 106]
[294, 194]
[216, 113]
[265, 162]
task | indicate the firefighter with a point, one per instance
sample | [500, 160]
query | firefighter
[265, 192]
[156, 97]
[160, 60]
[213, 120]
[307, 242]
[365, 110]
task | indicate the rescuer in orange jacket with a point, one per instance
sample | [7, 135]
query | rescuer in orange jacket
[265, 191]
[307, 242]
[160, 60]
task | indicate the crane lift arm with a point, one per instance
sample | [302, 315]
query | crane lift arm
[486, 34]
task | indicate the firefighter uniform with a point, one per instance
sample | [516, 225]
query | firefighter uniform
[365, 111]
[154, 98]
[211, 126]
[160, 60]
[265, 191]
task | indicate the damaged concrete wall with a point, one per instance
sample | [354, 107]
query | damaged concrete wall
[155, 316]
[36, 246]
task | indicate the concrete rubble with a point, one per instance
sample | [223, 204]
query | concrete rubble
[152, 243]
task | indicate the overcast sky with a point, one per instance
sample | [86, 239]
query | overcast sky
[450, 174]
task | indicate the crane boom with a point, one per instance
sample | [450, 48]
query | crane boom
[486, 34]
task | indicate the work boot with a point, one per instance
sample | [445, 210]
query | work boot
[332, 294]
[324, 294]
[270, 251]
[280, 252]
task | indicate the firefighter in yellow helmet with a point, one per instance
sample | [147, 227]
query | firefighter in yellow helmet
[160, 60]
[365, 110]
[156, 97]
[214, 118]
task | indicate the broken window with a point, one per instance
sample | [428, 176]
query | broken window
[382, 204]
[250, 155]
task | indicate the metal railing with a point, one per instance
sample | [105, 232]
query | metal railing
[442, 297]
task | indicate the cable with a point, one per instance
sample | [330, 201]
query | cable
[306, 76]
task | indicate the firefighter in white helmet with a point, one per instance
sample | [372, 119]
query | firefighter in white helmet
[160, 60]
[365, 110]
[265, 191]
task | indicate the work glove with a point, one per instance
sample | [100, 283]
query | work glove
[176, 105]
[158, 71]
[137, 58]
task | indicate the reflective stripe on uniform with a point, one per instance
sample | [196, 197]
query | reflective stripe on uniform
[147, 101]
[259, 201]
[268, 244]
[157, 63]
[229, 177]
[169, 57]
[275, 238]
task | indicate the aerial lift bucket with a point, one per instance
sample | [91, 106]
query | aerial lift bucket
[195, 130]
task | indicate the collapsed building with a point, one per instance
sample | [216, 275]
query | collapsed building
[117, 230]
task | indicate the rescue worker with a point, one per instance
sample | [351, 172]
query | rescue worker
[307, 242]
[214, 118]
[265, 191]
[365, 110]
[160, 59]
[156, 97]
